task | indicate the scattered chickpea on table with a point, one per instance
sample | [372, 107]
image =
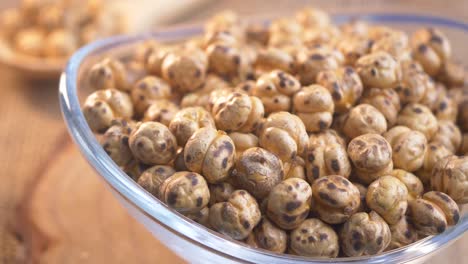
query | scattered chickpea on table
[300, 137]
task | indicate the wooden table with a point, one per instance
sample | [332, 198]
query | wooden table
[53, 206]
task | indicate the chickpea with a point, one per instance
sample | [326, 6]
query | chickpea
[147, 90]
[386, 101]
[288, 203]
[185, 69]
[29, 41]
[314, 238]
[379, 69]
[335, 198]
[414, 83]
[311, 62]
[450, 175]
[115, 142]
[420, 118]
[275, 90]
[364, 234]
[238, 112]
[326, 155]
[102, 106]
[435, 152]
[237, 217]
[186, 192]
[220, 192]
[431, 48]
[412, 182]
[294, 169]
[395, 43]
[284, 134]
[267, 236]
[187, 121]
[371, 156]
[409, 147]
[363, 119]
[243, 141]
[135, 169]
[448, 135]
[272, 58]
[152, 178]
[314, 106]
[345, 86]
[452, 74]
[108, 74]
[152, 143]
[257, 171]
[210, 152]
[162, 111]
[354, 47]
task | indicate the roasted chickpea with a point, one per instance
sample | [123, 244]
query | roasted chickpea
[414, 83]
[230, 60]
[408, 146]
[59, 44]
[187, 121]
[418, 117]
[353, 47]
[155, 58]
[386, 101]
[272, 58]
[267, 236]
[288, 203]
[314, 106]
[294, 168]
[220, 192]
[102, 106]
[403, 233]
[238, 112]
[29, 41]
[326, 155]
[108, 74]
[363, 119]
[152, 178]
[210, 152]
[450, 175]
[147, 91]
[185, 69]
[243, 141]
[364, 234]
[452, 74]
[275, 89]
[344, 85]
[115, 142]
[134, 169]
[412, 182]
[371, 156]
[427, 217]
[379, 69]
[395, 43]
[284, 134]
[448, 135]
[435, 152]
[311, 62]
[237, 216]
[162, 111]
[447, 204]
[257, 171]
[186, 192]
[431, 48]
[388, 196]
[152, 143]
[335, 198]
[314, 238]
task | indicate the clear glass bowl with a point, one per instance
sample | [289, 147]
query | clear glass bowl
[188, 239]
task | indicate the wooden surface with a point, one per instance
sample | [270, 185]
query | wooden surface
[53, 207]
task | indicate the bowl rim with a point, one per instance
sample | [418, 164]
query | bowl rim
[184, 227]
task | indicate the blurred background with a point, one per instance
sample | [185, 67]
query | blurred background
[53, 208]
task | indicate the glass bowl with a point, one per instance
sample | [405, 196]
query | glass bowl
[188, 239]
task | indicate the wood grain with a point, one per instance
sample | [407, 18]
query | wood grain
[53, 206]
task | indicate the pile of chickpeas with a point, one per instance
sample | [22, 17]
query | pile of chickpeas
[301, 137]
[56, 28]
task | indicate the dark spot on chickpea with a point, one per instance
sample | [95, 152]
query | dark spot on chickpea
[242, 192]
[443, 106]
[291, 206]
[276, 100]
[289, 218]
[236, 60]
[441, 228]
[224, 163]
[417, 110]
[197, 73]
[322, 125]
[317, 57]
[327, 198]
[398, 148]
[311, 239]
[356, 235]
[331, 186]
[408, 233]
[172, 198]
[315, 172]
[199, 201]
[269, 88]
[428, 206]
[432, 147]
[456, 216]
[303, 241]
[349, 70]
[336, 96]
[345, 182]
[298, 238]
[290, 188]
[303, 231]
[99, 103]
[357, 245]
[162, 146]
[335, 165]
[246, 224]
[311, 157]
[379, 240]
[140, 144]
